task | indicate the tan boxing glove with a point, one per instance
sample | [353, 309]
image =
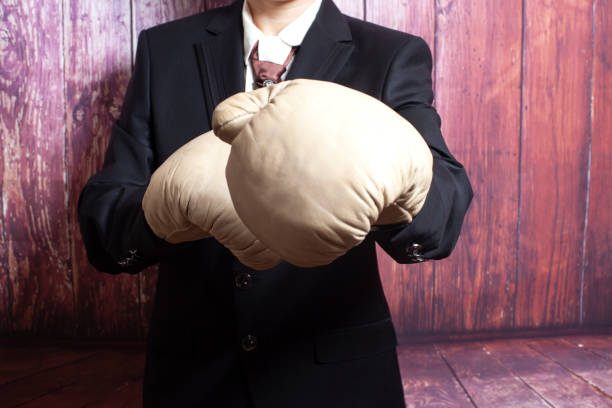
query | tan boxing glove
[314, 165]
[187, 199]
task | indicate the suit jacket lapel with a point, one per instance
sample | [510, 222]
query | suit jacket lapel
[324, 51]
[326, 47]
[220, 55]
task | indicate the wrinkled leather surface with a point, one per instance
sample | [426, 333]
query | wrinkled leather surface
[188, 199]
[313, 165]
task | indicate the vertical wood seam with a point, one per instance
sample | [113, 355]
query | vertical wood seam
[69, 263]
[589, 154]
[133, 33]
[434, 4]
[4, 249]
[435, 44]
[163, 13]
[4, 256]
[520, 164]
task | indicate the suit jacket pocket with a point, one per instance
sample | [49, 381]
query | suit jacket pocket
[355, 342]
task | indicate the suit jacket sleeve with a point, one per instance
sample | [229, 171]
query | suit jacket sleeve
[116, 235]
[408, 90]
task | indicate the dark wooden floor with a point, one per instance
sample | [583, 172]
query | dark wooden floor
[569, 371]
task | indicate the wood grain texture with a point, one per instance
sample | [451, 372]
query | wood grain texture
[597, 304]
[408, 288]
[478, 97]
[75, 385]
[592, 368]
[97, 49]
[18, 362]
[554, 161]
[559, 387]
[413, 16]
[486, 380]
[427, 380]
[148, 13]
[211, 4]
[145, 14]
[62, 81]
[409, 293]
[598, 344]
[5, 294]
[35, 234]
[127, 394]
[9, 60]
[353, 8]
[175, 9]
[435, 337]
[94, 380]
[8, 57]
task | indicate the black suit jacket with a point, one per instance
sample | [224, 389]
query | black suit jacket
[320, 336]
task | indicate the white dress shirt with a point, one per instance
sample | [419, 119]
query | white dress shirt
[274, 48]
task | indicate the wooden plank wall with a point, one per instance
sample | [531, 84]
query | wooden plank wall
[523, 89]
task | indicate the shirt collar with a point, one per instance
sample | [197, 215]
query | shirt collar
[291, 36]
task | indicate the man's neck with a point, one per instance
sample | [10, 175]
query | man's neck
[271, 16]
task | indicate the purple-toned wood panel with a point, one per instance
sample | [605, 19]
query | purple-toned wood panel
[97, 49]
[62, 82]
[147, 13]
[353, 8]
[35, 233]
[174, 9]
[409, 288]
[415, 16]
[8, 58]
[478, 98]
[554, 161]
[597, 305]
[9, 61]
[211, 4]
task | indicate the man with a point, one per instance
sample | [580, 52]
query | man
[222, 334]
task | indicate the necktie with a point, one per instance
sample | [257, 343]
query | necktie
[267, 73]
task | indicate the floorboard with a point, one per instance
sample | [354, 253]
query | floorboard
[553, 383]
[76, 384]
[598, 344]
[564, 371]
[427, 380]
[590, 367]
[486, 380]
[17, 363]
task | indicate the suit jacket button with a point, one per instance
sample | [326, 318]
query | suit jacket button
[414, 252]
[249, 343]
[243, 280]
[129, 260]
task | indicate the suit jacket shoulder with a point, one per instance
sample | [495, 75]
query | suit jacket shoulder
[379, 39]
